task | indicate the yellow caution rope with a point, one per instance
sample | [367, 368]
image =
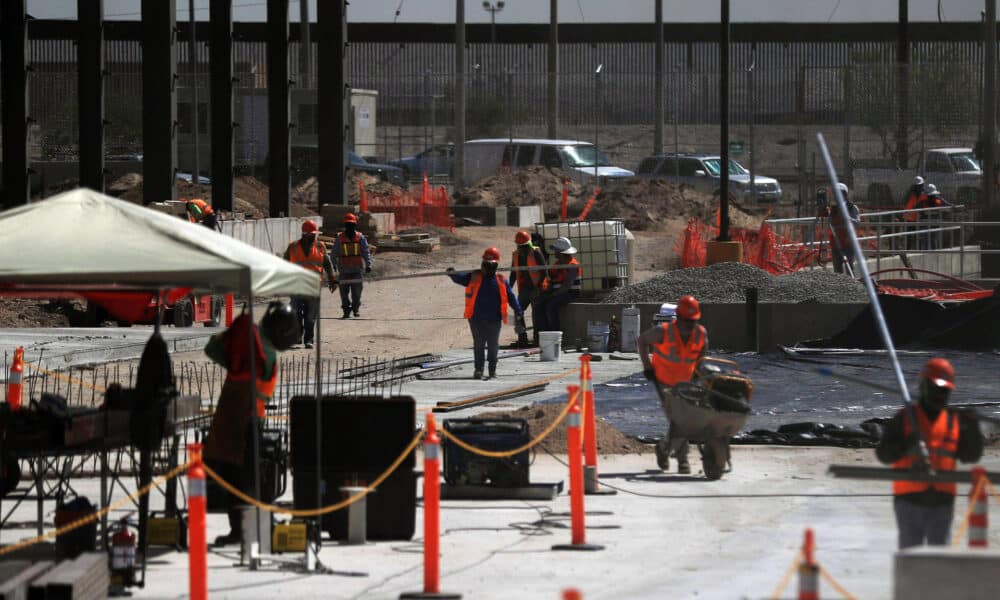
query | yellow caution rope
[66, 378]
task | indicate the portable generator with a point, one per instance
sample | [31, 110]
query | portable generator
[166, 530]
[290, 536]
[464, 468]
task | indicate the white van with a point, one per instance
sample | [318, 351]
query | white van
[484, 158]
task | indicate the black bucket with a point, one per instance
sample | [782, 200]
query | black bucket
[73, 543]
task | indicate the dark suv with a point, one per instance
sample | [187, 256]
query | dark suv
[701, 171]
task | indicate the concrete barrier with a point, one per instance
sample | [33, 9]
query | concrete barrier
[270, 235]
[513, 216]
[940, 572]
[733, 327]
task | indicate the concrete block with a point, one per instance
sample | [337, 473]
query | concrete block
[484, 215]
[525, 216]
[943, 572]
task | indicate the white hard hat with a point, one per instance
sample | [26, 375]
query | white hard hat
[918, 180]
[668, 310]
[930, 189]
[562, 246]
[843, 188]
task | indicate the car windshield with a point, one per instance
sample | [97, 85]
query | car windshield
[354, 159]
[712, 164]
[583, 156]
[964, 161]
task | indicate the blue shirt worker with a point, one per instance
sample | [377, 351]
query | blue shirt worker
[487, 297]
[351, 258]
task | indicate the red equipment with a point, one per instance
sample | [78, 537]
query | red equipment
[180, 307]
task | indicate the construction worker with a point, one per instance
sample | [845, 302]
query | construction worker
[916, 192]
[229, 445]
[924, 510]
[529, 283]
[932, 199]
[487, 297]
[351, 255]
[564, 286]
[677, 346]
[199, 211]
[841, 250]
[309, 253]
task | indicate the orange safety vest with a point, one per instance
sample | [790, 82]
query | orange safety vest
[350, 250]
[912, 202]
[558, 276]
[313, 261]
[674, 360]
[472, 291]
[942, 445]
[526, 278]
[203, 207]
[264, 388]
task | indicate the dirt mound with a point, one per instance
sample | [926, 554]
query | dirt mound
[647, 203]
[23, 312]
[307, 192]
[540, 416]
[524, 187]
[250, 196]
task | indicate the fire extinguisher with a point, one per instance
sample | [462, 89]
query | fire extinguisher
[123, 552]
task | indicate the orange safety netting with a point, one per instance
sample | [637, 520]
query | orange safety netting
[763, 248]
[414, 208]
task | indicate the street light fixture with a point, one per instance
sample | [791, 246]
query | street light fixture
[494, 8]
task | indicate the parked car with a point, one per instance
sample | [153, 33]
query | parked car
[389, 173]
[701, 171]
[955, 172]
[436, 161]
[579, 160]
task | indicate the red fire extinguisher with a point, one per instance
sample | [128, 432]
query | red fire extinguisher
[123, 552]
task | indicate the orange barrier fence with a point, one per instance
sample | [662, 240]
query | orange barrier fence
[414, 208]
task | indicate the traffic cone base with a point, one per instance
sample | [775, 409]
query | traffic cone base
[582, 547]
[441, 595]
[591, 486]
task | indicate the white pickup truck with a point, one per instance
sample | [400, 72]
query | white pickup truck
[955, 171]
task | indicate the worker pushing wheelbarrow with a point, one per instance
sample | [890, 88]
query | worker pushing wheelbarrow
[706, 400]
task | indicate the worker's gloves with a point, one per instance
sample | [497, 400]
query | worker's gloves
[368, 269]
[649, 374]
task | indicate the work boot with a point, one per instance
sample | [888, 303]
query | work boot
[357, 313]
[477, 374]
[347, 313]
[683, 466]
[309, 345]
[662, 455]
[493, 373]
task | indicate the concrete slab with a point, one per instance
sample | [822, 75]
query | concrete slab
[665, 536]
[71, 346]
[926, 573]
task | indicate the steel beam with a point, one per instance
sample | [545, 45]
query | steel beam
[278, 108]
[333, 93]
[221, 102]
[658, 92]
[159, 100]
[552, 97]
[890, 474]
[724, 123]
[460, 93]
[14, 98]
[90, 70]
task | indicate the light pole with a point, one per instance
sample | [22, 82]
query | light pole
[494, 8]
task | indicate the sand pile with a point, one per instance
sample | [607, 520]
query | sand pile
[524, 187]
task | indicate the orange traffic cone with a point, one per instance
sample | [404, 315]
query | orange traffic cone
[14, 386]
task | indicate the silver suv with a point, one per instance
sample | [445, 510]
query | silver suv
[701, 171]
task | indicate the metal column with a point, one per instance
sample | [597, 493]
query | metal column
[221, 102]
[159, 100]
[14, 97]
[902, 83]
[332, 91]
[459, 92]
[658, 94]
[724, 124]
[278, 108]
[90, 70]
[990, 105]
[552, 97]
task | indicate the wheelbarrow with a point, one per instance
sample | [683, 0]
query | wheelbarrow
[709, 410]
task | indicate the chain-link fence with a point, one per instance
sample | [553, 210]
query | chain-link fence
[882, 121]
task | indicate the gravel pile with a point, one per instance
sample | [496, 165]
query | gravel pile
[727, 282]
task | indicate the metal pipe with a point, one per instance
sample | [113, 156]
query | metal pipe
[658, 95]
[880, 323]
[724, 124]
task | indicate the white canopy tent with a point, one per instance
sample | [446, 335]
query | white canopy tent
[83, 238]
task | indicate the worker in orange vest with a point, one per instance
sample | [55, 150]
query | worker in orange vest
[565, 283]
[199, 211]
[916, 193]
[487, 298]
[924, 510]
[677, 348]
[841, 249]
[530, 284]
[351, 255]
[229, 445]
[309, 253]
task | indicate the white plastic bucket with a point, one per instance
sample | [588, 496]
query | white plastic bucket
[597, 336]
[550, 343]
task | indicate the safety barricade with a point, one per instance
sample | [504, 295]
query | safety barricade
[591, 484]
[414, 208]
[809, 572]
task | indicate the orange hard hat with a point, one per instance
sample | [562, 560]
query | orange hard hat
[939, 372]
[350, 218]
[688, 308]
[310, 226]
[492, 255]
[522, 237]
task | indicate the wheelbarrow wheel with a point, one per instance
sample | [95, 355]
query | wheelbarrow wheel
[712, 467]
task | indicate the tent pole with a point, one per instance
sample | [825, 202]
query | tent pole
[254, 422]
[319, 422]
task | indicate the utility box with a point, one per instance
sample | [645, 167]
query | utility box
[363, 122]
